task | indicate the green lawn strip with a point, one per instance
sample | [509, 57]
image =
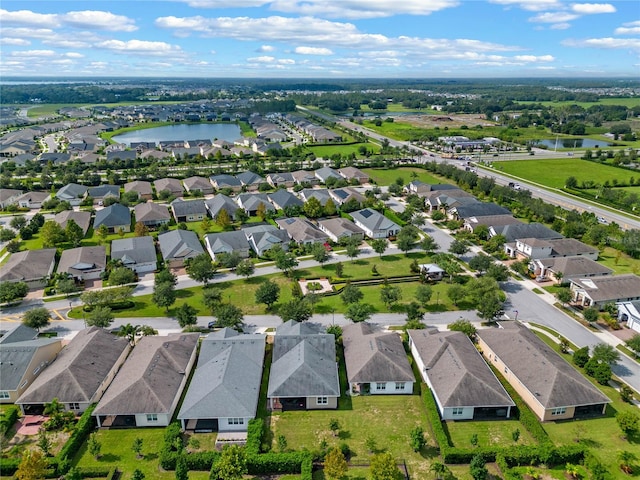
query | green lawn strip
[627, 351]
[491, 433]
[618, 261]
[385, 177]
[326, 151]
[624, 101]
[553, 333]
[602, 434]
[387, 418]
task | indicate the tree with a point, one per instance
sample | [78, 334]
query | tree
[319, 253]
[424, 294]
[182, 470]
[605, 353]
[44, 443]
[66, 285]
[564, 295]
[103, 233]
[478, 468]
[407, 238]
[11, 291]
[351, 294]
[335, 465]
[464, 326]
[140, 229]
[358, 312]
[313, 208]
[627, 421]
[33, 466]
[232, 464]
[223, 219]
[590, 314]
[205, 225]
[428, 244]
[164, 295]
[37, 318]
[334, 426]
[18, 222]
[480, 263]
[136, 446]
[456, 293]
[94, 446]
[352, 248]
[390, 294]
[458, 247]
[599, 370]
[74, 233]
[268, 293]
[52, 234]
[13, 246]
[122, 276]
[370, 443]
[581, 356]
[339, 269]
[200, 268]
[100, 316]
[165, 276]
[330, 208]
[137, 475]
[228, 259]
[129, 332]
[498, 272]
[295, 309]
[245, 268]
[383, 467]
[417, 438]
[282, 443]
[285, 261]
[634, 343]
[186, 315]
[490, 305]
[228, 315]
[379, 245]
[440, 470]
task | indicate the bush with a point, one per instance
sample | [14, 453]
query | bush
[8, 419]
[277, 463]
[255, 432]
[202, 461]
[441, 437]
[80, 433]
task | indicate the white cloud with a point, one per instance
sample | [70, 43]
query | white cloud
[266, 48]
[592, 8]
[361, 8]
[29, 18]
[629, 28]
[530, 5]
[74, 55]
[606, 43]
[262, 59]
[33, 53]
[313, 51]
[534, 58]
[140, 47]
[100, 20]
[560, 26]
[554, 17]
[226, 3]
[14, 41]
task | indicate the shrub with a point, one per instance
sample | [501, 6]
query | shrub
[8, 419]
[255, 432]
[277, 463]
[80, 433]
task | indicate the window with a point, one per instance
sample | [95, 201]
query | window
[506, 370]
[399, 385]
[36, 370]
[235, 421]
[381, 386]
[152, 417]
[74, 406]
[4, 394]
[322, 401]
[24, 384]
[457, 411]
[559, 411]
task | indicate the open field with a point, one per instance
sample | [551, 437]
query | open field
[554, 172]
[624, 101]
[619, 262]
[386, 177]
[326, 151]
[52, 108]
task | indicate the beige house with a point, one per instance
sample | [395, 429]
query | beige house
[553, 389]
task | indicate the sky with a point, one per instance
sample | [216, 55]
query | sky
[320, 38]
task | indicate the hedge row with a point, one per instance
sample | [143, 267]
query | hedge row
[97, 472]
[168, 452]
[8, 419]
[255, 432]
[306, 470]
[201, 461]
[80, 434]
[277, 463]
[442, 439]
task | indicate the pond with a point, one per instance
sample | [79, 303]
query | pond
[197, 131]
[572, 143]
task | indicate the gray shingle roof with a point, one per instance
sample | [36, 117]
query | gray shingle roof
[456, 371]
[15, 358]
[75, 260]
[113, 216]
[291, 327]
[374, 220]
[179, 244]
[83, 219]
[321, 194]
[134, 250]
[226, 242]
[303, 366]
[225, 181]
[79, 368]
[372, 355]
[19, 333]
[339, 226]
[325, 173]
[541, 370]
[249, 178]
[282, 199]
[478, 209]
[172, 185]
[71, 191]
[28, 265]
[301, 230]
[251, 201]
[221, 202]
[197, 183]
[610, 287]
[141, 187]
[151, 212]
[571, 267]
[150, 379]
[102, 191]
[513, 231]
[188, 207]
[226, 382]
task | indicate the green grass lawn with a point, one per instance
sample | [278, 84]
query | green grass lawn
[385, 177]
[554, 172]
[619, 262]
[326, 151]
[490, 433]
[624, 101]
[387, 418]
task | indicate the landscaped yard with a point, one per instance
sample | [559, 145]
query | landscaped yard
[388, 419]
[489, 433]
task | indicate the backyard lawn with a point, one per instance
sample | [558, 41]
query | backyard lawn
[388, 176]
[489, 433]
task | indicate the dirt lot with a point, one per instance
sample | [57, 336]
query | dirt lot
[444, 120]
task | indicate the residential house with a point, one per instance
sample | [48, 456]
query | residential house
[103, 192]
[462, 384]
[320, 194]
[34, 267]
[224, 391]
[121, 155]
[325, 173]
[340, 228]
[284, 200]
[188, 210]
[431, 271]
[227, 242]
[226, 181]
[23, 356]
[347, 195]
[151, 214]
[80, 374]
[566, 268]
[72, 193]
[81, 218]
[251, 203]
[353, 174]
[305, 178]
[535, 248]
[284, 179]
[147, 389]
[553, 389]
[141, 187]
[33, 200]
[250, 181]
[9, 196]
[194, 184]
[221, 202]
[83, 263]
[116, 217]
[476, 209]
[512, 231]
[599, 291]
[471, 223]
[177, 246]
[262, 238]
[445, 200]
[304, 372]
[417, 186]
[170, 185]
[376, 361]
[374, 224]
[302, 231]
[630, 312]
[136, 253]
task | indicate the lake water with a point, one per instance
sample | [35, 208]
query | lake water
[198, 131]
[573, 143]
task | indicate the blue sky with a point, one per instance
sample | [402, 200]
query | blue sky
[320, 38]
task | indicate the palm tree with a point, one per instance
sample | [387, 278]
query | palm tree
[129, 331]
